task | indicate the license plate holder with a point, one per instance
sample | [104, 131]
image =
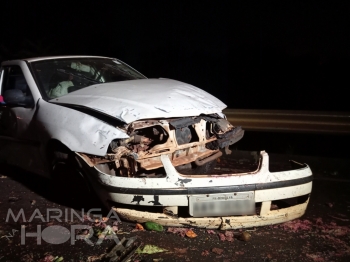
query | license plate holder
[228, 204]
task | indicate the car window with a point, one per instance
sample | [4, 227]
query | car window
[14, 87]
[58, 77]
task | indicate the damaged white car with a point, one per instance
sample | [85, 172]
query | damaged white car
[139, 143]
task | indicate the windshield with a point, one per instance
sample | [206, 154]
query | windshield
[58, 77]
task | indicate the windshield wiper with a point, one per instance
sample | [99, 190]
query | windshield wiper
[78, 75]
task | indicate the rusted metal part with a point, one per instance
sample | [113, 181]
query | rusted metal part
[290, 121]
[201, 162]
[150, 139]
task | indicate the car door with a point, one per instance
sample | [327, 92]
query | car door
[19, 144]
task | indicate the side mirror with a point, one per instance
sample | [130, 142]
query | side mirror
[18, 98]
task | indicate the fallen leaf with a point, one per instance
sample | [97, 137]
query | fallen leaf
[229, 236]
[222, 237]
[178, 230]
[205, 253]
[150, 249]
[139, 227]
[319, 221]
[315, 257]
[218, 251]
[191, 234]
[104, 219]
[153, 226]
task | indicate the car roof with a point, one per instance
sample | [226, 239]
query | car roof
[34, 59]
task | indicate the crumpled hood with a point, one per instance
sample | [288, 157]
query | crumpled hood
[146, 98]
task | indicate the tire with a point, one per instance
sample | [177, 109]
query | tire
[68, 180]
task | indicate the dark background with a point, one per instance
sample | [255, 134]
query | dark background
[263, 54]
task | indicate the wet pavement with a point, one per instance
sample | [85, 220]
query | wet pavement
[322, 234]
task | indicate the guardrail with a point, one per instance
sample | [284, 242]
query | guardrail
[290, 121]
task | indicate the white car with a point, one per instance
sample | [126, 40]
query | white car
[139, 142]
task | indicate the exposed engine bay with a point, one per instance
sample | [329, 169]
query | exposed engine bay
[190, 143]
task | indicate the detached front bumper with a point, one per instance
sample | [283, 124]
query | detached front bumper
[222, 223]
[176, 190]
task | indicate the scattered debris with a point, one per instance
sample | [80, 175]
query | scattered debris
[182, 231]
[13, 199]
[94, 258]
[218, 251]
[209, 231]
[150, 249]
[169, 213]
[32, 202]
[178, 230]
[181, 250]
[227, 236]
[28, 257]
[297, 224]
[315, 257]
[338, 218]
[123, 251]
[153, 226]
[50, 258]
[244, 236]
[222, 237]
[3, 176]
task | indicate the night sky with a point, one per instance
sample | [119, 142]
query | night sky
[269, 55]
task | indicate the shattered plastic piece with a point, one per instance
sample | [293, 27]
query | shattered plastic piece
[191, 234]
[153, 226]
[150, 249]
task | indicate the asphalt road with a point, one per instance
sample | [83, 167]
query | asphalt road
[322, 234]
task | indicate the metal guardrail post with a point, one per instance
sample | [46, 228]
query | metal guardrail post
[290, 121]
